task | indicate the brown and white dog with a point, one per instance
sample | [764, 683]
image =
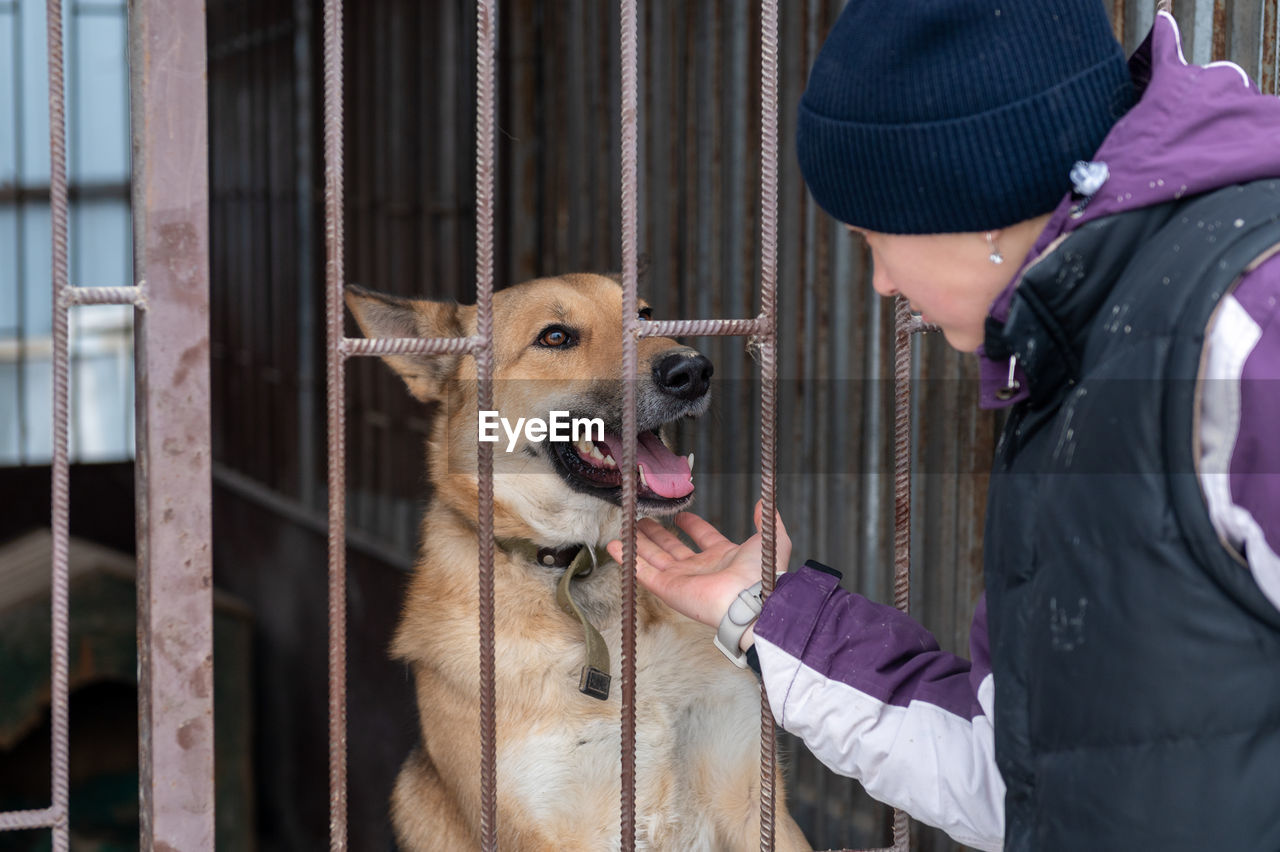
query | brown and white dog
[558, 348]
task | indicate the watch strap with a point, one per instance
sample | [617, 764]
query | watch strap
[742, 613]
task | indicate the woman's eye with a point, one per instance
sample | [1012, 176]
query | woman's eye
[555, 336]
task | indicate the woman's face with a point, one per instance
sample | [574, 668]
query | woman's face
[949, 278]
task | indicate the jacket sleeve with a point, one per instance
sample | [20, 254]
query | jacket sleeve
[1239, 409]
[873, 697]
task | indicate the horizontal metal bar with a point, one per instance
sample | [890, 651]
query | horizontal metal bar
[700, 328]
[357, 346]
[102, 296]
[915, 325]
[43, 818]
[734, 327]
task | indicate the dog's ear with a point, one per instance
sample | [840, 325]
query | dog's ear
[642, 270]
[383, 315]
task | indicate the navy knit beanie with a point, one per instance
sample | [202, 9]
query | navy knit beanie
[941, 116]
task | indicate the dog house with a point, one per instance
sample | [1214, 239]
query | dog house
[104, 697]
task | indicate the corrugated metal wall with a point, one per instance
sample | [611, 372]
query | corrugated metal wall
[410, 230]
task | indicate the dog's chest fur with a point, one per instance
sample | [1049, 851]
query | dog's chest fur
[558, 749]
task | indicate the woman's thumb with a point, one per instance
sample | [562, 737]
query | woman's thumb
[758, 517]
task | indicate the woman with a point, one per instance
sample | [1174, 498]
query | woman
[1123, 687]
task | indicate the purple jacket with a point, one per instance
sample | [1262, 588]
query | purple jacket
[866, 687]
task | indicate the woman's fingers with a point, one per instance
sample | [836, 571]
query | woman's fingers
[651, 552]
[665, 539]
[650, 549]
[703, 534]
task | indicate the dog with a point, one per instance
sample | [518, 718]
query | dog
[557, 348]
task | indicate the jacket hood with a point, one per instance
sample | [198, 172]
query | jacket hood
[1194, 129]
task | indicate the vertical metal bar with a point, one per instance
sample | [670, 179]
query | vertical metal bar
[1268, 57]
[336, 402]
[1219, 40]
[630, 273]
[1117, 19]
[61, 519]
[1269, 39]
[768, 377]
[486, 115]
[171, 263]
[902, 322]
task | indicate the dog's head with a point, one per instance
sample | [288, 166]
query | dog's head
[558, 362]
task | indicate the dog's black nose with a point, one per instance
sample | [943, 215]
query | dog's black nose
[684, 375]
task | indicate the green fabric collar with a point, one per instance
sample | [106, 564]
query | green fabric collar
[578, 561]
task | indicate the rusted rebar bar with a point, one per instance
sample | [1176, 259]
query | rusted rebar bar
[486, 117]
[102, 296]
[378, 346]
[905, 323]
[630, 61]
[336, 402]
[701, 327]
[61, 490]
[767, 336]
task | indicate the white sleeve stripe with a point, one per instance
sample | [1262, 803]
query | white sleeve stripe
[1231, 340]
[935, 765]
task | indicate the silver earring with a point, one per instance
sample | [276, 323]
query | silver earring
[995, 256]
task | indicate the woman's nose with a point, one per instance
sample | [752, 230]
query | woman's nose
[880, 281]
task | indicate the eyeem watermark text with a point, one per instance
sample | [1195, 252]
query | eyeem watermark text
[559, 427]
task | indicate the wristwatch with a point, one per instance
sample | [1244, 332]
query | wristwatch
[742, 613]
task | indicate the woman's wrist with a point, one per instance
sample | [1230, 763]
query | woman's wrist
[748, 638]
[739, 619]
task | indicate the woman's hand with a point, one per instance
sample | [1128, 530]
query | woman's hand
[700, 584]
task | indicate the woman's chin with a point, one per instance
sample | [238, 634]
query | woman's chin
[962, 340]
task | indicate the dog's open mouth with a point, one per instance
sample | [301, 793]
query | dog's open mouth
[666, 479]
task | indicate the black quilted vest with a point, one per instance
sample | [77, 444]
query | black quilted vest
[1136, 662]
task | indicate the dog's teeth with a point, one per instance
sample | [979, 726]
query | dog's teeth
[690, 466]
[595, 452]
[609, 461]
[642, 479]
[584, 446]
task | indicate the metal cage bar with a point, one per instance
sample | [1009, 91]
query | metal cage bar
[767, 336]
[174, 584]
[486, 120]
[335, 400]
[63, 296]
[630, 123]
[763, 328]
[173, 472]
[339, 348]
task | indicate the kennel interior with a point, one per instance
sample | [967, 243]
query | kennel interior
[409, 216]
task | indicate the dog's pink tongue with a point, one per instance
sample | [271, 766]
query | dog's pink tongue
[666, 473]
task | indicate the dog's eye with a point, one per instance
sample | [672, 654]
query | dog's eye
[646, 314]
[556, 337]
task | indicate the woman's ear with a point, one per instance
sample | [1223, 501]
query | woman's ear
[383, 315]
